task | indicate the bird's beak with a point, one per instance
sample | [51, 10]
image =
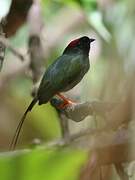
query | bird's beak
[91, 40]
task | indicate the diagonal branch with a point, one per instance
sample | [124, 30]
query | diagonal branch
[11, 48]
[79, 111]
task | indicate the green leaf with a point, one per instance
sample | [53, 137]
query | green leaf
[56, 164]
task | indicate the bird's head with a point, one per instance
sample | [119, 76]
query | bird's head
[82, 44]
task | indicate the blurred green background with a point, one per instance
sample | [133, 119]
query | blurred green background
[112, 58]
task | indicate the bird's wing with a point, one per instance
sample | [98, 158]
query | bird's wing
[45, 91]
[65, 71]
[58, 76]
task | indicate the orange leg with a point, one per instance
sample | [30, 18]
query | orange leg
[66, 101]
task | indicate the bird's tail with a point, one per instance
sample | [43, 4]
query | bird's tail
[18, 129]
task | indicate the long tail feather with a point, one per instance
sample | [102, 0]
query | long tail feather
[18, 129]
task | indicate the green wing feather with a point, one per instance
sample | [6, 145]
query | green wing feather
[62, 75]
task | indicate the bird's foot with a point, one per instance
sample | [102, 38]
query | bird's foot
[66, 102]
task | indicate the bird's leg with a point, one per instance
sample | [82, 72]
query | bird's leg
[66, 101]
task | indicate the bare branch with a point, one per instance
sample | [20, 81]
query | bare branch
[35, 23]
[2, 46]
[79, 111]
[11, 48]
[64, 126]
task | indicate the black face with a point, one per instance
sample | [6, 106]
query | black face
[85, 42]
[86, 39]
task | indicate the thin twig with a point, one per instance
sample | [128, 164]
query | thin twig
[2, 46]
[12, 49]
[64, 125]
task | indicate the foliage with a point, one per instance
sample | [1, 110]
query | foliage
[55, 164]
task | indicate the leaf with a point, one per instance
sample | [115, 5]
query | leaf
[56, 164]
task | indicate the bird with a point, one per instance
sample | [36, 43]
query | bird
[62, 75]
